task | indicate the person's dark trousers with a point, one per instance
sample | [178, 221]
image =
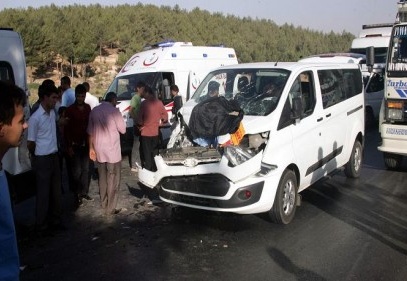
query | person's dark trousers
[149, 149]
[68, 166]
[49, 197]
[80, 170]
[140, 149]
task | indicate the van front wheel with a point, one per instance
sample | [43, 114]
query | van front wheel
[354, 166]
[285, 201]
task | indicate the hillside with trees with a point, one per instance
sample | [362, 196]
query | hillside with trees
[79, 40]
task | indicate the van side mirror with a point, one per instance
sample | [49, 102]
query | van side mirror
[296, 108]
[370, 58]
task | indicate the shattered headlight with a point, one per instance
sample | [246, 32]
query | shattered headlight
[237, 155]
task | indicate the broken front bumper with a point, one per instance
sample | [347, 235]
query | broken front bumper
[202, 178]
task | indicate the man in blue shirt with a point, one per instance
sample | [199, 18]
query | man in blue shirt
[12, 126]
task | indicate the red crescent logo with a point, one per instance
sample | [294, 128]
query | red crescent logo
[130, 64]
[151, 60]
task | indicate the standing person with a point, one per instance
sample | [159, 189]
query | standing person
[68, 94]
[90, 99]
[135, 103]
[152, 113]
[12, 126]
[76, 142]
[93, 101]
[42, 143]
[104, 129]
[177, 101]
[44, 83]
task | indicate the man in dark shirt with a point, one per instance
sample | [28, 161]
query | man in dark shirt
[76, 141]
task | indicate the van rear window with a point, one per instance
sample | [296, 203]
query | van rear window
[6, 72]
[338, 85]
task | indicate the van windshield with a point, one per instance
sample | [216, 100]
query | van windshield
[257, 90]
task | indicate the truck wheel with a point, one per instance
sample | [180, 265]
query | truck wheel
[354, 165]
[392, 161]
[284, 205]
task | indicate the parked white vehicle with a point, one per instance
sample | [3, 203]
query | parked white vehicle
[164, 64]
[311, 125]
[16, 161]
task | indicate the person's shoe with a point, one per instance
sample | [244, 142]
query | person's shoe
[87, 197]
[134, 169]
[116, 211]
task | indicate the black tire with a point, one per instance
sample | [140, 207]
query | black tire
[354, 166]
[392, 161]
[285, 201]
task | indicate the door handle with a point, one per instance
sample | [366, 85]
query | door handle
[319, 119]
[328, 115]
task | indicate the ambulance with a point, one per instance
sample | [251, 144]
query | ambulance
[164, 64]
[16, 161]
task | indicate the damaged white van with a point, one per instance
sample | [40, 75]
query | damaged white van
[301, 121]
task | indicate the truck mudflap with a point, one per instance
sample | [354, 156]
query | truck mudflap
[234, 174]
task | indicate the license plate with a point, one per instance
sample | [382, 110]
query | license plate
[237, 136]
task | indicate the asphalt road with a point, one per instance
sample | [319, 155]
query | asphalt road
[344, 230]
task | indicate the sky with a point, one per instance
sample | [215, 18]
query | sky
[317, 15]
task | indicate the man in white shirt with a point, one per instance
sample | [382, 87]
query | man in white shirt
[42, 144]
[68, 94]
[90, 99]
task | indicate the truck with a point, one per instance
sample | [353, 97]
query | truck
[16, 161]
[378, 37]
[161, 65]
[393, 114]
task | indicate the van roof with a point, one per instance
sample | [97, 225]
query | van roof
[336, 58]
[291, 66]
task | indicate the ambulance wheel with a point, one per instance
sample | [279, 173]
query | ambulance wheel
[285, 201]
[354, 165]
[392, 161]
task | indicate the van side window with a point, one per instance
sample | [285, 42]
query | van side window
[307, 93]
[338, 85]
[303, 88]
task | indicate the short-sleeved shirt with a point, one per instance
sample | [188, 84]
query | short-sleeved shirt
[135, 103]
[91, 100]
[42, 131]
[75, 129]
[105, 126]
[9, 261]
[68, 97]
[152, 112]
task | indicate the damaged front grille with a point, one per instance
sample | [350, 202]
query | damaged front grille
[190, 156]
